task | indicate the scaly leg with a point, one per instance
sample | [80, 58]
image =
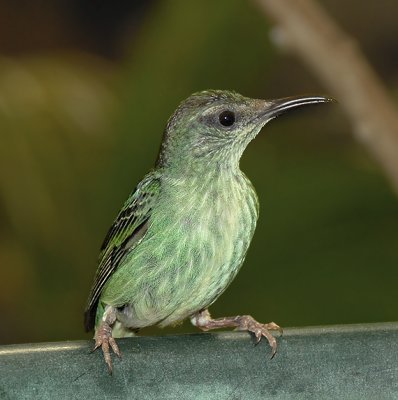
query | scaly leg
[204, 321]
[103, 336]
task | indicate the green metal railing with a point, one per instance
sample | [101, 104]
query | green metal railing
[338, 362]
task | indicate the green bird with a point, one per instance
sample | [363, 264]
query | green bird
[183, 233]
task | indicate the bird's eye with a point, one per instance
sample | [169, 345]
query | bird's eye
[227, 118]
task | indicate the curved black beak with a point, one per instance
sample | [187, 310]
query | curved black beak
[280, 106]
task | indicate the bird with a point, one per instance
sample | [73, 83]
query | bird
[184, 231]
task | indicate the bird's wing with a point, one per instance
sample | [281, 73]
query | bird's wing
[129, 228]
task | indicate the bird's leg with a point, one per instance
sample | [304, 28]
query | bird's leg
[204, 321]
[103, 336]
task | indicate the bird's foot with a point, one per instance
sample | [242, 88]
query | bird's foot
[248, 323]
[204, 321]
[104, 339]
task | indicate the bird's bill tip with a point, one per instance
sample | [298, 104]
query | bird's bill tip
[279, 106]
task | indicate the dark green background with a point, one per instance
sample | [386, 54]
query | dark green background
[85, 92]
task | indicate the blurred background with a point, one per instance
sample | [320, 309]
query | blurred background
[85, 91]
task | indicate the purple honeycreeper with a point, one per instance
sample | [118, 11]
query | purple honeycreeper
[183, 233]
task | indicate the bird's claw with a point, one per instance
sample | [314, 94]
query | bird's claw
[104, 339]
[272, 326]
[204, 321]
[259, 330]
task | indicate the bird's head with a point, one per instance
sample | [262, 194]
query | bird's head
[215, 126]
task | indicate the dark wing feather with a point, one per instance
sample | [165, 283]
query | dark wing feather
[126, 232]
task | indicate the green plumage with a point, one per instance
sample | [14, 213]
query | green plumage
[195, 243]
[126, 232]
[183, 234]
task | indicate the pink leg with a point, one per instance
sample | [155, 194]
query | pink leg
[204, 321]
[103, 336]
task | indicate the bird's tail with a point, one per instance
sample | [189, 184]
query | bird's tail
[89, 318]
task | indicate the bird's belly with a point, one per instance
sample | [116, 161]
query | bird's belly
[184, 263]
[192, 280]
[208, 274]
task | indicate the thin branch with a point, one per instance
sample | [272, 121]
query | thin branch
[337, 60]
